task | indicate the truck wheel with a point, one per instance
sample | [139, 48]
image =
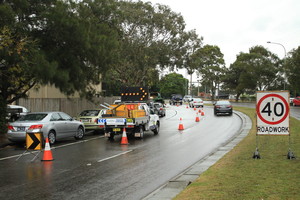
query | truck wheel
[141, 131]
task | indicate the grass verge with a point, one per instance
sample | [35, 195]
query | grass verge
[238, 176]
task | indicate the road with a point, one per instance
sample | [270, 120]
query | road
[97, 168]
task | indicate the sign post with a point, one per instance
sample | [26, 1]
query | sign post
[273, 115]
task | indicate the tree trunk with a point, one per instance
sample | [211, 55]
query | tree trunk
[3, 113]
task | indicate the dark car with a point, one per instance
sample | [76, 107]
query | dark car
[222, 107]
[176, 99]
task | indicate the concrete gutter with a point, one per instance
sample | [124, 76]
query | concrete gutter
[173, 187]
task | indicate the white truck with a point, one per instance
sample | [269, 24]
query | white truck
[135, 117]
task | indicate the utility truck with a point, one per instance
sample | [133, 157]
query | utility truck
[132, 113]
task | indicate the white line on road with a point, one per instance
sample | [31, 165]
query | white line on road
[125, 152]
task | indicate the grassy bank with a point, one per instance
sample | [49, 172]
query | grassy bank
[238, 176]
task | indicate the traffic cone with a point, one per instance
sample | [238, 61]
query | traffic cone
[197, 118]
[180, 127]
[124, 137]
[195, 108]
[202, 113]
[47, 152]
[187, 106]
[199, 111]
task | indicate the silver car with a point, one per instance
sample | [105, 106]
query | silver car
[54, 125]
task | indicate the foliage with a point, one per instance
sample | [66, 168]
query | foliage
[210, 66]
[292, 66]
[257, 70]
[172, 83]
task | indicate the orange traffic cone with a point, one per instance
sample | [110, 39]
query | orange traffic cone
[187, 106]
[195, 108]
[202, 113]
[124, 137]
[199, 111]
[180, 127]
[197, 118]
[47, 152]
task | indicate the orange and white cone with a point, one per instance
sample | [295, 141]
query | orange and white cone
[124, 137]
[47, 152]
[180, 127]
[197, 118]
[202, 113]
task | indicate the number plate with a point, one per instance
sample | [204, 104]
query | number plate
[21, 128]
[116, 129]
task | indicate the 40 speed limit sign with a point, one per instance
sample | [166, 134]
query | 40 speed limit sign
[273, 112]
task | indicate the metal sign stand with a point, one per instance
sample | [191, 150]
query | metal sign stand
[31, 152]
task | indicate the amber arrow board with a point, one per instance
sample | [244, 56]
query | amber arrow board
[273, 111]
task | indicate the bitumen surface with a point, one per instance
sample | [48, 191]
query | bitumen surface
[4, 141]
[180, 182]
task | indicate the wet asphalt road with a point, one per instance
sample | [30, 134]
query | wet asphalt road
[97, 168]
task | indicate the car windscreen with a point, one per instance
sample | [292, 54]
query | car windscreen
[90, 113]
[33, 117]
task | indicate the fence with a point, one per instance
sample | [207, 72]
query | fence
[72, 106]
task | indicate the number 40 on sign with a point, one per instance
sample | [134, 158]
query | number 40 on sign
[273, 110]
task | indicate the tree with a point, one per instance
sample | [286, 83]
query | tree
[210, 66]
[147, 40]
[256, 70]
[292, 68]
[61, 43]
[172, 83]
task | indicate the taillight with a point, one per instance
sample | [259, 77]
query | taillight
[37, 126]
[96, 120]
[229, 106]
[9, 127]
[101, 126]
[218, 106]
[160, 109]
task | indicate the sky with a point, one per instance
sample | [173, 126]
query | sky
[237, 25]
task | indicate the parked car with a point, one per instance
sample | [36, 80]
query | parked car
[222, 107]
[196, 102]
[159, 109]
[54, 125]
[187, 98]
[176, 99]
[15, 111]
[90, 119]
[296, 101]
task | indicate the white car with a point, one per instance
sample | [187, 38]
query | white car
[187, 98]
[196, 102]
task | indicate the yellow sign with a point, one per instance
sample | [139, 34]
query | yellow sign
[34, 141]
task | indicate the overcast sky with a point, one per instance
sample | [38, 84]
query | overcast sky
[237, 25]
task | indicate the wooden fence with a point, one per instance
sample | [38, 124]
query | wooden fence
[72, 106]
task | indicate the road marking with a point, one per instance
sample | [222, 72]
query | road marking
[52, 148]
[125, 152]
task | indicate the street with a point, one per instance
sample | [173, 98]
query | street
[96, 168]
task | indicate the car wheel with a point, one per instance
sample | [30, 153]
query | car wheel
[52, 137]
[156, 130]
[80, 133]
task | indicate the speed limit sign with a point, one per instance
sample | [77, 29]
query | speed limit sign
[273, 111]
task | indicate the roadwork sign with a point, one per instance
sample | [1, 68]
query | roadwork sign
[273, 113]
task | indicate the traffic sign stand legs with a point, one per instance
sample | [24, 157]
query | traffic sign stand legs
[256, 154]
[290, 154]
[31, 152]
